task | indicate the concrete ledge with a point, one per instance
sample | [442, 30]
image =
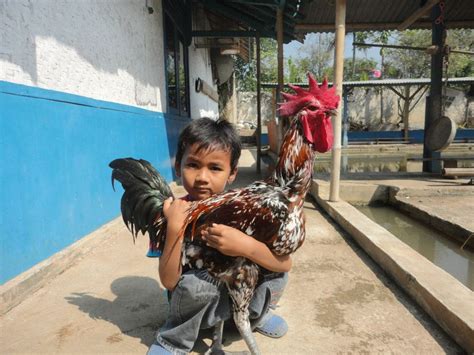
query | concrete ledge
[14, 291]
[451, 228]
[445, 299]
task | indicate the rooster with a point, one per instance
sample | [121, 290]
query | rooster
[270, 211]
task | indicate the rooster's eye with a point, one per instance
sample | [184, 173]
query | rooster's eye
[312, 108]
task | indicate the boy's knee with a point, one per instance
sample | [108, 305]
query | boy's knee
[268, 294]
[197, 286]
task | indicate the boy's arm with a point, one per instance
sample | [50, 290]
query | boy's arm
[170, 261]
[231, 241]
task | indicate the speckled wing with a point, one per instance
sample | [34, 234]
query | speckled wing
[257, 210]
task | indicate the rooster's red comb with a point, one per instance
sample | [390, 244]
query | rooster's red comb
[321, 95]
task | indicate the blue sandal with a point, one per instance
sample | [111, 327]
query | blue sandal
[157, 349]
[273, 326]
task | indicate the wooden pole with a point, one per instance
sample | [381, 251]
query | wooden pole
[406, 112]
[338, 77]
[279, 28]
[259, 110]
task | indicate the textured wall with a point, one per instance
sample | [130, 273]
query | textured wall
[107, 50]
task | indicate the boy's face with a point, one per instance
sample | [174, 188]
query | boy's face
[205, 172]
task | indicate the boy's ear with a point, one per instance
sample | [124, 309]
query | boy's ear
[177, 169]
[232, 176]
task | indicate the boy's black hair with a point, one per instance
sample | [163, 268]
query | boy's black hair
[208, 133]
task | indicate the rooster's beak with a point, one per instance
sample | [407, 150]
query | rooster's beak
[332, 112]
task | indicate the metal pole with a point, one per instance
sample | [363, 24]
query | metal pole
[353, 55]
[279, 28]
[424, 49]
[338, 76]
[345, 116]
[259, 113]
[432, 163]
[381, 45]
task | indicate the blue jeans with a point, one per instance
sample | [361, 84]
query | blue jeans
[199, 302]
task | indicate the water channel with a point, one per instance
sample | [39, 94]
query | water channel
[434, 246]
[394, 162]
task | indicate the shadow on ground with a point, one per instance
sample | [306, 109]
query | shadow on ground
[138, 309]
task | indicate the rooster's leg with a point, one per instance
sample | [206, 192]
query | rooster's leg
[241, 319]
[241, 290]
[216, 347]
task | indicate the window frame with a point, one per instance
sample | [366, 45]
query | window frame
[170, 16]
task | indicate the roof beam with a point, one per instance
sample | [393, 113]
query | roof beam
[371, 26]
[223, 34]
[417, 14]
[272, 3]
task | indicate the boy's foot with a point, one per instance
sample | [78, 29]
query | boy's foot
[157, 349]
[272, 326]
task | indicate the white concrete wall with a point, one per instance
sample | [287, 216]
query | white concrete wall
[364, 109]
[200, 67]
[103, 49]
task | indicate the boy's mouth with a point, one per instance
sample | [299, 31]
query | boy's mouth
[202, 191]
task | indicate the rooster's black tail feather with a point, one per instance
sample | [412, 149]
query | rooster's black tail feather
[142, 201]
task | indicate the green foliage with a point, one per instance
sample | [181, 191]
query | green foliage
[461, 64]
[317, 54]
[416, 64]
[406, 63]
[362, 69]
[246, 73]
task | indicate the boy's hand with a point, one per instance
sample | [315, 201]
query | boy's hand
[175, 212]
[228, 240]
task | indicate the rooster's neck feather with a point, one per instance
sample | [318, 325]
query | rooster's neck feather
[294, 169]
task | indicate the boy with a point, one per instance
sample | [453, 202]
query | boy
[206, 161]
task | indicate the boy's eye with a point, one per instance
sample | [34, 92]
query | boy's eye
[216, 168]
[191, 165]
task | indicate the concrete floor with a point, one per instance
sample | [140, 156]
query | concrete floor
[110, 301]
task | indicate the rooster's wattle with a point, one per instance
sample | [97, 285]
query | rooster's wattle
[271, 211]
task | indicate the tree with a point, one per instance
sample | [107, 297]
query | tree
[408, 63]
[246, 72]
[416, 64]
[362, 68]
[460, 65]
[317, 54]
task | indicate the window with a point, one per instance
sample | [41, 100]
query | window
[177, 72]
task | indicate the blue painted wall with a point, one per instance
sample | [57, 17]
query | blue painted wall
[54, 179]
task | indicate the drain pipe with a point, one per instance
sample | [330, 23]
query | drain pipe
[338, 76]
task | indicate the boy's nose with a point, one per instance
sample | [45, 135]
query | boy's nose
[202, 176]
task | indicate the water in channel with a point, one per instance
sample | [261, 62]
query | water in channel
[434, 246]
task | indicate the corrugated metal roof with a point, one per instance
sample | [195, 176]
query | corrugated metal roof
[245, 18]
[303, 16]
[364, 15]
[259, 16]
